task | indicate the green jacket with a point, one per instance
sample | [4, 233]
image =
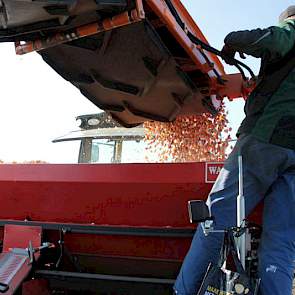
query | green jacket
[270, 108]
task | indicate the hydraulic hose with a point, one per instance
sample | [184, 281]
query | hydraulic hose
[238, 64]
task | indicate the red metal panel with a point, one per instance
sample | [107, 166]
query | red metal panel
[145, 195]
[127, 195]
[14, 268]
[131, 194]
[16, 236]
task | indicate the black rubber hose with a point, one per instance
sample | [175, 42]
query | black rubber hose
[213, 50]
[182, 25]
[238, 64]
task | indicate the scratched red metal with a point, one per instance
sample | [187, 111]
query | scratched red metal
[127, 195]
[102, 194]
[16, 236]
[14, 268]
[143, 195]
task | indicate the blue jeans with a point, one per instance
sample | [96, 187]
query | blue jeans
[269, 174]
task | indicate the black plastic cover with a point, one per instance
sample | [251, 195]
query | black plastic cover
[198, 211]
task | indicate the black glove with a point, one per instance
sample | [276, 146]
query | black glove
[228, 54]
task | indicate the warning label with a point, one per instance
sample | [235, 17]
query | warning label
[212, 171]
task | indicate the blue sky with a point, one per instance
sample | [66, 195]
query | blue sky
[218, 18]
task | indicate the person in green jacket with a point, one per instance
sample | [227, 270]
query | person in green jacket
[266, 140]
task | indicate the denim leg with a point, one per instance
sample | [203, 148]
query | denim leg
[259, 174]
[277, 248]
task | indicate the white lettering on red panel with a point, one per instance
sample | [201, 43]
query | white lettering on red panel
[212, 171]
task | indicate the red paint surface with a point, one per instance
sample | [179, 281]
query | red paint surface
[147, 195]
[131, 194]
[144, 195]
[17, 236]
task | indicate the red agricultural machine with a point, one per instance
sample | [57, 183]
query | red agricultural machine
[110, 229]
[106, 229]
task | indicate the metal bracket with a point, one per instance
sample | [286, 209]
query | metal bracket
[30, 250]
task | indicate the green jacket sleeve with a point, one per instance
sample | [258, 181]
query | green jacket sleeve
[275, 41]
